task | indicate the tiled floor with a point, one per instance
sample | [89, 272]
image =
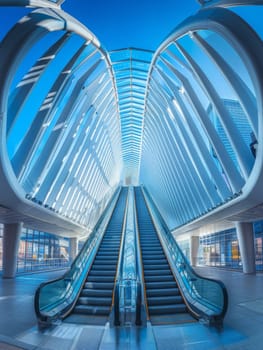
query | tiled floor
[242, 327]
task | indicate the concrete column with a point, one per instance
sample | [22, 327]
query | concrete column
[194, 246]
[73, 248]
[245, 237]
[11, 240]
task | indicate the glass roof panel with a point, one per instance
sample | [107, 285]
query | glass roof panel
[131, 72]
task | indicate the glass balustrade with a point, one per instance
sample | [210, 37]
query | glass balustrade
[55, 298]
[207, 298]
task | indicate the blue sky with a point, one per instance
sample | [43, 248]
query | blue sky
[117, 23]
[134, 23]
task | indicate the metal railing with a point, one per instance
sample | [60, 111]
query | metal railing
[45, 264]
[141, 313]
[206, 298]
[115, 314]
[55, 299]
[129, 305]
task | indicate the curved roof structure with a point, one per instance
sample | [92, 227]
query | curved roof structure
[77, 121]
[131, 68]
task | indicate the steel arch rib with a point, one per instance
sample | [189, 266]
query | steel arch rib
[13, 49]
[248, 45]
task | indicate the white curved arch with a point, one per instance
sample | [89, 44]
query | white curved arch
[249, 47]
[228, 3]
[14, 48]
[32, 3]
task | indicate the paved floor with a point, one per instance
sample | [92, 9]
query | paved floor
[242, 327]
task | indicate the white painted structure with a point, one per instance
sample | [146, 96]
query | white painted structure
[90, 128]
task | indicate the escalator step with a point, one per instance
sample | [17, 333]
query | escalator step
[105, 255]
[159, 278]
[147, 257]
[109, 250]
[167, 309]
[102, 273]
[158, 273]
[100, 279]
[149, 243]
[96, 292]
[164, 300]
[152, 253]
[160, 285]
[163, 292]
[99, 285]
[105, 262]
[156, 266]
[110, 243]
[101, 267]
[152, 262]
[106, 247]
[89, 310]
[103, 301]
[109, 246]
[110, 239]
[109, 256]
[151, 246]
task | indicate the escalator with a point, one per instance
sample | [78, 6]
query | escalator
[87, 298]
[164, 300]
[96, 296]
[171, 291]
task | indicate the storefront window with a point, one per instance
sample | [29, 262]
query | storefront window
[220, 249]
[41, 251]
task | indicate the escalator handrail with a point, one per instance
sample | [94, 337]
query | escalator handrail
[115, 296]
[215, 315]
[141, 302]
[68, 278]
[134, 279]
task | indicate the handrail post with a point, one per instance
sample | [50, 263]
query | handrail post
[138, 320]
[117, 304]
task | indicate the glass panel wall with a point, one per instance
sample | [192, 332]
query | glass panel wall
[38, 251]
[41, 251]
[258, 231]
[185, 247]
[220, 249]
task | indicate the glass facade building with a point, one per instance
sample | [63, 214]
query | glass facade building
[39, 251]
[221, 249]
[239, 118]
[44, 251]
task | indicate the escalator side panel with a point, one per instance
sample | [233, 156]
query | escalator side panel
[95, 299]
[165, 303]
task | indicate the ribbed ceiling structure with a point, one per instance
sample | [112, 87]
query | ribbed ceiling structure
[131, 68]
[186, 121]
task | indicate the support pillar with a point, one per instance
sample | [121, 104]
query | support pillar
[194, 247]
[245, 237]
[11, 239]
[73, 248]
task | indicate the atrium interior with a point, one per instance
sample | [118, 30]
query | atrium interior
[131, 197]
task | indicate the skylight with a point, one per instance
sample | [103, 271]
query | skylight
[131, 71]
